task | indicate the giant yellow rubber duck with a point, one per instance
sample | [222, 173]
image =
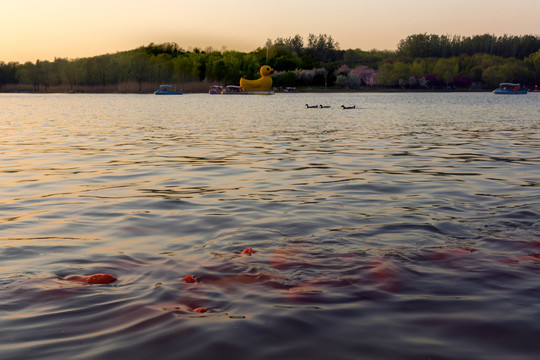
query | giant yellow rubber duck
[262, 84]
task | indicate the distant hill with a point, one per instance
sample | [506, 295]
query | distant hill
[421, 61]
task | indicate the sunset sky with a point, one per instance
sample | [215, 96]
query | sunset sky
[45, 29]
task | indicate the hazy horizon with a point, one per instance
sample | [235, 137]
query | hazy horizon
[41, 30]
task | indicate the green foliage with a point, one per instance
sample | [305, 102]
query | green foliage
[420, 59]
[420, 67]
[353, 81]
[385, 76]
[401, 72]
[169, 48]
[533, 62]
[8, 73]
[371, 58]
[424, 45]
[494, 75]
[286, 79]
[285, 62]
[446, 69]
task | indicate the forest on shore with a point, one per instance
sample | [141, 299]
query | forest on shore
[421, 61]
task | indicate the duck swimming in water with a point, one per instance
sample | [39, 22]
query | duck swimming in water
[262, 84]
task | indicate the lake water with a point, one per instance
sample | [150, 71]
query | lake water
[407, 228]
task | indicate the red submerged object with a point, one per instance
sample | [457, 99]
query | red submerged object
[248, 251]
[200, 310]
[385, 274]
[449, 254]
[526, 258]
[93, 279]
[190, 279]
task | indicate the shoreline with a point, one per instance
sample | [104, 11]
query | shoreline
[202, 87]
[200, 90]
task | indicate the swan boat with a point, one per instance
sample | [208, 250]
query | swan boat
[168, 90]
[510, 89]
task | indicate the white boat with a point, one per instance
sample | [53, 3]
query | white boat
[510, 89]
[237, 90]
[215, 89]
[233, 90]
[168, 90]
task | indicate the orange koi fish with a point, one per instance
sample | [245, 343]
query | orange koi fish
[189, 279]
[449, 254]
[92, 279]
[521, 259]
[385, 274]
[248, 251]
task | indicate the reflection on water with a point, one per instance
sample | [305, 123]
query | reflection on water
[405, 228]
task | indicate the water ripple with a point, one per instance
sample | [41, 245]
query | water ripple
[409, 227]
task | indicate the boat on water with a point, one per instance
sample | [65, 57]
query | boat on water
[290, 90]
[261, 86]
[237, 90]
[269, 92]
[233, 90]
[168, 90]
[510, 89]
[215, 89]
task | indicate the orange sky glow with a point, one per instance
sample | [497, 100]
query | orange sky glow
[37, 29]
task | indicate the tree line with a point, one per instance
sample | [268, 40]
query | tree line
[420, 61]
[430, 45]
